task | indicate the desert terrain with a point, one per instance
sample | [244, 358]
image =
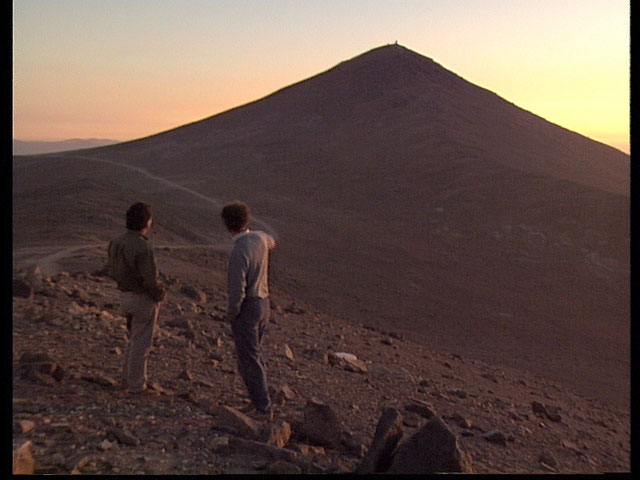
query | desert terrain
[405, 200]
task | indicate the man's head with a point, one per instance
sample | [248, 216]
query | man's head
[139, 216]
[236, 216]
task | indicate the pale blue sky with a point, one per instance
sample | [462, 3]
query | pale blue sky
[124, 69]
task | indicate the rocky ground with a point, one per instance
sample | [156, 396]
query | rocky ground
[69, 415]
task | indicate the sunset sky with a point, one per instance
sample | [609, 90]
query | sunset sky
[125, 69]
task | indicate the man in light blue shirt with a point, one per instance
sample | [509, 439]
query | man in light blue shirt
[248, 302]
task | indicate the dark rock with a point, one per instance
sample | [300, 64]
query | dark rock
[380, 454]
[100, 379]
[458, 393]
[232, 420]
[22, 289]
[194, 293]
[243, 445]
[123, 436]
[548, 458]
[29, 357]
[496, 437]
[321, 424]
[421, 408]
[460, 421]
[433, 448]
[551, 412]
[412, 420]
[180, 323]
[39, 367]
[296, 310]
[490, 376]
[353, 444]
[282, 467]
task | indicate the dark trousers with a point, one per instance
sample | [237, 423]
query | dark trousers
[248, 331]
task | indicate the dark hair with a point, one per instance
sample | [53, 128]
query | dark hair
[138, 215]
[236, 216]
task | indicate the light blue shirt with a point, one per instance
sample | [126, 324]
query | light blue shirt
[248, 267]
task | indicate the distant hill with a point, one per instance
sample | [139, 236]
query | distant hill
[404, 197]
[21, 147]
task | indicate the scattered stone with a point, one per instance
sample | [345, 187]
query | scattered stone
[180, 323]
[308, 450]
[232, 420]
[26, 425]
[194, 292]
[80, 464]
[33, 276]
[276, 433]
[39, 367]
[22, 289]
[433, 448]
[458, 393]
[282, 467]
[353, 444]
[219, 443]
[412, 420]
[388, 433]
[106, 445]
[348, 361]
[460, 421]
[288, 352]
[100, 379]
[123, 436]
[282, 395]
[490, 376]
[296, 310]
[421, 408]
[287, 392]
[23, 461]
[237, 444]
[496, 437]
[548, 458]
[548, 411]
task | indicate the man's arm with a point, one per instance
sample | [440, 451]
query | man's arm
[236, 282]
[146, 264]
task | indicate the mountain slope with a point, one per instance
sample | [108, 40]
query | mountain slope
[406, 198]
[22, 147]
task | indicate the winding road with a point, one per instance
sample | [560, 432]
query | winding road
[47, 263]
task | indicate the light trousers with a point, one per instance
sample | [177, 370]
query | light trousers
[141, 312]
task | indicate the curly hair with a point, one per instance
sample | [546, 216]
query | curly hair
[236, 216]
[138, 215]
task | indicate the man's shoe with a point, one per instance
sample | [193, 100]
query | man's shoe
[260, 416]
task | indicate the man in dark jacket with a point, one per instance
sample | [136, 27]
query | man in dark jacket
[132, 265]
[248, 303]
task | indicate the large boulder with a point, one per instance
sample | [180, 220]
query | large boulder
[380, 454]
[22, 288]
[432, 449]
[232, 420]
[321, 424]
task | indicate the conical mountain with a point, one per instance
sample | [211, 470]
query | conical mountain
[404, 196]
